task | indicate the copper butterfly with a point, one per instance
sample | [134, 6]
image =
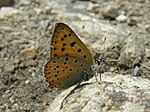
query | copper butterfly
[70, 60]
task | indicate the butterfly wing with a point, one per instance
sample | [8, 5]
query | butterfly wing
[64, 71]
[66, 42]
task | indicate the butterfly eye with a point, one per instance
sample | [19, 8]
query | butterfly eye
[97, 61]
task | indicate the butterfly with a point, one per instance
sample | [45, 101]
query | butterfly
[70, 60]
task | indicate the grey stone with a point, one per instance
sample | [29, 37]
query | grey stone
[110, 12]
[92, 96]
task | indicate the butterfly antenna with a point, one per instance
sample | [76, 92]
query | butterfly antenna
[98, 54]
[102, 43]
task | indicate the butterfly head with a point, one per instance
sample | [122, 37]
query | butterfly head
[97, 61]
[96, 67]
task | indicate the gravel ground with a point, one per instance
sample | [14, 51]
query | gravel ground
[25, 28]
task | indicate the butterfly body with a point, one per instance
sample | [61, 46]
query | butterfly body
[71, 62]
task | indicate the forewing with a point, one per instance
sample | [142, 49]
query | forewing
[66, 42]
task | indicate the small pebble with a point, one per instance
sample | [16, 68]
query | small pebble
[27, 81]
[28, 53]
[110, 12]
[121, 18]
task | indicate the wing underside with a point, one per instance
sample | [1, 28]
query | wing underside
[65, 71]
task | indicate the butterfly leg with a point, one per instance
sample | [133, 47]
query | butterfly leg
[96, 77]
[100, 78]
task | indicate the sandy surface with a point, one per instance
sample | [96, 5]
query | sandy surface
[25, 31]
